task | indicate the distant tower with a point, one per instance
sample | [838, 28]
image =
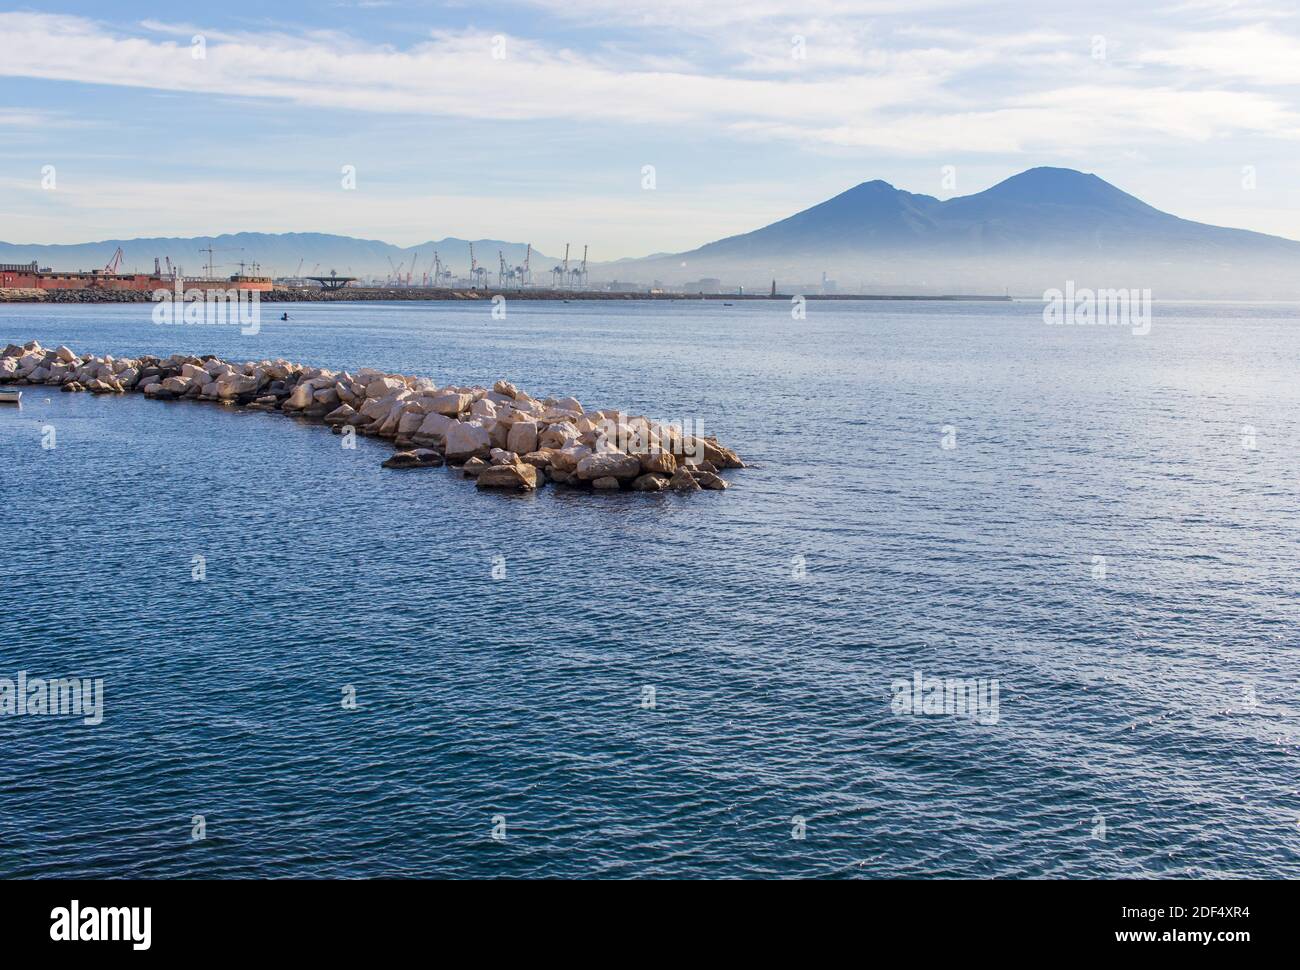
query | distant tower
[774, 288]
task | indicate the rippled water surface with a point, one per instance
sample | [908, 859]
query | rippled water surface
[1154, 690]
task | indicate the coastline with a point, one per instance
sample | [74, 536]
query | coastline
[431, 295]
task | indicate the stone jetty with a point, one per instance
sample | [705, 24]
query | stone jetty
[502, 437]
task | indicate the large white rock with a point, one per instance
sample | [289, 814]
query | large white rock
[465, 441]
[300, 398]
[450, 404]
[409, 423]
[388, 426]
[347, 394]
[522, 437]
[613, 465]
[233, 385]
[326, 397]
[519, 477]
[376, 408]
[567, 459]
[383, 386]
[658, 461]
[434, 425]
[561, 435]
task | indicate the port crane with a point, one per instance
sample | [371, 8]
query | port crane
[579, 273]
[115, 263]
[211, 252]
[440, 273]
[561, 273]
[523, 273]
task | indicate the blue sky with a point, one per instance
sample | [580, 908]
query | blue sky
[533, 121]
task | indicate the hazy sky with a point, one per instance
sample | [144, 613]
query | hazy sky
[533, 121]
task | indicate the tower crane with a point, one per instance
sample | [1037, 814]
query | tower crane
[523, 273]
[211, 252]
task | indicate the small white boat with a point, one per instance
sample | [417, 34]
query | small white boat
[10, 396]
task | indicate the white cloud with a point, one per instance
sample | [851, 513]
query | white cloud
[694, 15]
[453, 74]
[883, 83]
[21, 118]
[905, 100]
[1258, 54]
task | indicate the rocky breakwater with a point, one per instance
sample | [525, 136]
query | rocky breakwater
[502, 437]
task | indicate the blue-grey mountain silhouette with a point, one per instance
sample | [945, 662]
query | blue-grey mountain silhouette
[1030, 232]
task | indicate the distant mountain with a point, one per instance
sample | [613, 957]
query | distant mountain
[1030, 232]
[279, 254]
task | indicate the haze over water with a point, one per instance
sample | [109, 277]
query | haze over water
[1160, 697]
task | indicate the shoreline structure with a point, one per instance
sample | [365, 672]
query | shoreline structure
[503, 437]
[353, 294]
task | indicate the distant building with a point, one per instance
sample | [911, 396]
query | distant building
[706, 285]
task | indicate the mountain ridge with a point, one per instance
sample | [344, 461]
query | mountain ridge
[1032, 230]
[278, 253]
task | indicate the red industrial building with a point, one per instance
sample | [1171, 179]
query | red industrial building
[31, 276]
